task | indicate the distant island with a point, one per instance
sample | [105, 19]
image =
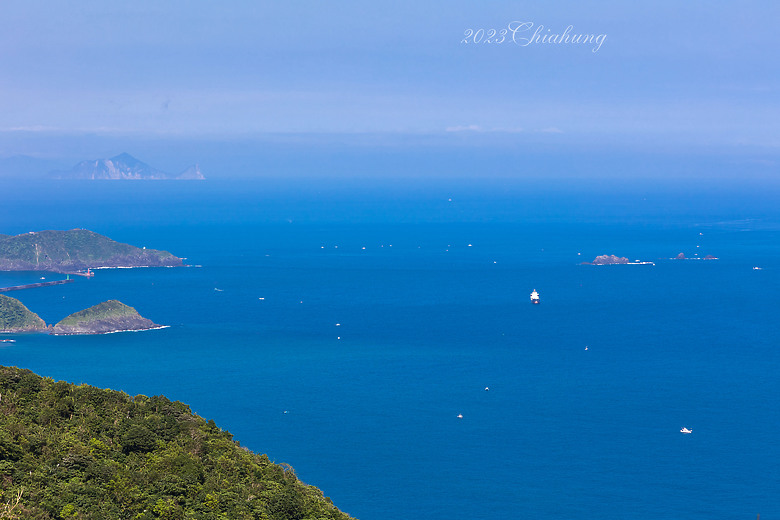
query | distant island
[124, 167]
[103, 318]
[15, 317]
[612, 259]
[682, 256]
[608, 259]
[77, 451]
[74, 250]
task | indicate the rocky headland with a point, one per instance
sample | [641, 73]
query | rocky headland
[103, 318]
[75, 250]
[15, 317]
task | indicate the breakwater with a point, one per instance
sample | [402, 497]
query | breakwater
[33, 285]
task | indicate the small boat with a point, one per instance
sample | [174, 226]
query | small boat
[535, 297]
[686, 430]
[460, 416]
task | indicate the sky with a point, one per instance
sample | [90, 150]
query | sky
[662, 75]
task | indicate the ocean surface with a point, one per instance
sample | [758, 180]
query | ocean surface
[343, 326]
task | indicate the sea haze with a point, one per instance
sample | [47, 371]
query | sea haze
[342, 326]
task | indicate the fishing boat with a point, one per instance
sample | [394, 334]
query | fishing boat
[686, 430]
[535, 297]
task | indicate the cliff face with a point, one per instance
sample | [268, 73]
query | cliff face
[77, 249]
[110, 316]
[15, 317]
[123, 167]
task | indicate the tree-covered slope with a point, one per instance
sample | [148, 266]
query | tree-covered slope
[73, 250]
[15, 317]
[109, 316]
[86, 453]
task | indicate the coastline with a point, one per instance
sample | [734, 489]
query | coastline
[135, 267]
[114, 331]
[110, 332]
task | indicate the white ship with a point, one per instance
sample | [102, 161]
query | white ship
[686, 430]
[535, 297]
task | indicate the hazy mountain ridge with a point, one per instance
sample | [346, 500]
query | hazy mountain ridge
[123, 167]
[26, 167]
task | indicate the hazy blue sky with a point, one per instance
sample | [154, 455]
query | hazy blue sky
[668, 73]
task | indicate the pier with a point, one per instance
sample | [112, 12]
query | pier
[86, 274]
[33, 285]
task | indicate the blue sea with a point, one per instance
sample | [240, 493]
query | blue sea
[344, 326]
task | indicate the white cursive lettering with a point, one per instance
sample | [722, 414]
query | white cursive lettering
[523, 37]
[514, 27]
